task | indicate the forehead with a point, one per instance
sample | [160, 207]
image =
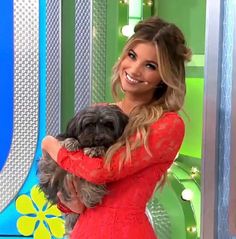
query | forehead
[145, 50]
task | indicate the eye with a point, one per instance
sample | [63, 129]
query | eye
[132, 55]
[109, 125]
[88, 125]
[151, 66]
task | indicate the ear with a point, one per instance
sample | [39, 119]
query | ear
[123, 121]
[72, 127]
[123, 118]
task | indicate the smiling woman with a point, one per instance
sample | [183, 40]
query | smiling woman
[151, 74]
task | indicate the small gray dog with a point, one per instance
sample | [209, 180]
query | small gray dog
[93, 129]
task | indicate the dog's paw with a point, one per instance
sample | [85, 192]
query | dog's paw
[95, 151]
[70, 144]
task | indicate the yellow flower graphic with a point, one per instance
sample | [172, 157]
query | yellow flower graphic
[40, 218]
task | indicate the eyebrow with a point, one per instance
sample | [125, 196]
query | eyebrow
[149, 61]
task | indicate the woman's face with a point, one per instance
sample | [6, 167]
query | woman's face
[138, 71]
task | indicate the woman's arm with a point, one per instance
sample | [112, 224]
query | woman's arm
[165, 139]
[51, 145]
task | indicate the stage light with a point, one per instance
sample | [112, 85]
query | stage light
[187, 194]
[194, 171]
[149, 3]
[124, 1]
[192, 229]
[127, 30]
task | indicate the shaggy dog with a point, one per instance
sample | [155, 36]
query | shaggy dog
[93, 129]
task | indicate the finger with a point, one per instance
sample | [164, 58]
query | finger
[75, 181]
[71, 188]
[70, 185]
[61, 198]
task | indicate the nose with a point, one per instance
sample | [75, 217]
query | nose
[136, 69]
[98, 140]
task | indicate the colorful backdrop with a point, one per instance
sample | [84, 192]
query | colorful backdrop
[47, 62]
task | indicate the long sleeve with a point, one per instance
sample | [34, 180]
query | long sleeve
[64, 208]
[165, 138]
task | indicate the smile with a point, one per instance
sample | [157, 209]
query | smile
[131, 80]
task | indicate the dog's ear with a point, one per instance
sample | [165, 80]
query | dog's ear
[70, 130]
[72, 127]
[122, 119]
[125, 118]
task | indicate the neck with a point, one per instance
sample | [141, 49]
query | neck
[127, 105]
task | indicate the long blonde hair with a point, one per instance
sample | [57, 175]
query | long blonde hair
[172, 52]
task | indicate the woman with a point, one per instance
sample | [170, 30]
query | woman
[151, 75]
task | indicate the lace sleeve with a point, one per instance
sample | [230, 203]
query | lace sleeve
[63, 208]
[165, 138]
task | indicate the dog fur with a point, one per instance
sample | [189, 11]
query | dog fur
[94, 129]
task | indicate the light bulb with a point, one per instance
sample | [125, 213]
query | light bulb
[127, 30]
[194, 171]
[187, 194]
[191, 229]
[149, 3]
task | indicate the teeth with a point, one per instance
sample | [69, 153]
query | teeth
[131, 79]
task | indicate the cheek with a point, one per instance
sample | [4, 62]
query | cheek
[121, 68]
[124, 63]
[155, 78]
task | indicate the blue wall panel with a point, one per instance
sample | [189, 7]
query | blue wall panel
[6, 78]
[10, 215]
[225, 120]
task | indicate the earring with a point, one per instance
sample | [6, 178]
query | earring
[161, 85]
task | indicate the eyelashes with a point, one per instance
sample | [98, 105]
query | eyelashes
[151, 66]
[133, 56]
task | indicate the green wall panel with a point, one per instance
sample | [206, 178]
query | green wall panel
[67, 60]
[193, 107]
[117, 16]
[190, 16]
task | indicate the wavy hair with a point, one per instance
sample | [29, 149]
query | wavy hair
[172, 53]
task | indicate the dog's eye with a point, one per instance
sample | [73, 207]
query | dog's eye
[109, 125]
[88, 125]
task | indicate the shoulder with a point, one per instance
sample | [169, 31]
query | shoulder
[172, 116]
[168, 131]
[170, 120]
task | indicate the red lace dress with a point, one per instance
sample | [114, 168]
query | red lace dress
[122, 212]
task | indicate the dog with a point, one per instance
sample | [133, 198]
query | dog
[93, 129]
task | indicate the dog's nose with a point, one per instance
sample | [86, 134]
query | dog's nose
[100, 140]
[97, 140]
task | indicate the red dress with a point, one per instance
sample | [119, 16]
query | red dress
[122, 212]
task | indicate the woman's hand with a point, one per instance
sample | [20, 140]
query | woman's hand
[74, 204]
[51, 146]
